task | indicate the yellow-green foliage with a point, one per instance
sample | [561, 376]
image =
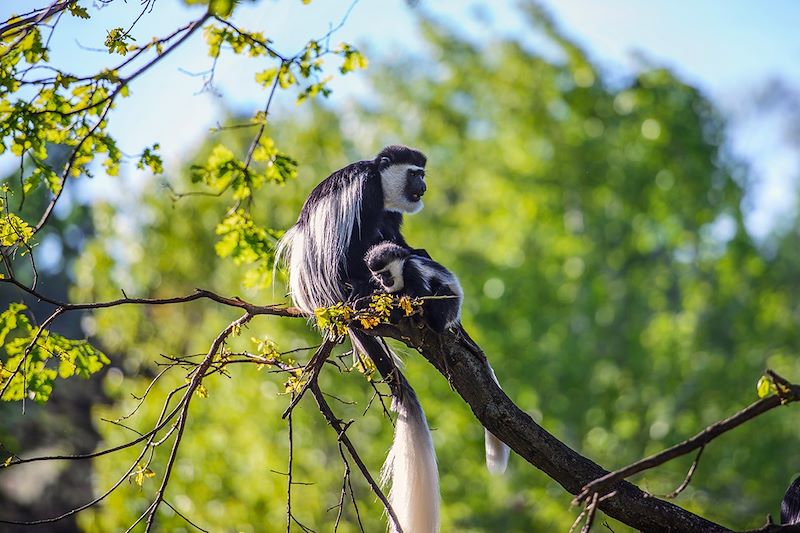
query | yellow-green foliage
[577, 214]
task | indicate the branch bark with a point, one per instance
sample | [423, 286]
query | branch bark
[464, 364]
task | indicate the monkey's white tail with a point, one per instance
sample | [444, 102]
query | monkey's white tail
[411, 463]
[411, 467]
[496, 451]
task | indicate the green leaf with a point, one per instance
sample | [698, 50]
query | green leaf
[117, 41]
[265, 77]
[35, 378]
[220, 8]
[14, 230]
[764, 387]
[78, 11]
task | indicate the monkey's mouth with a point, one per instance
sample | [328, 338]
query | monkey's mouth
[416, 197]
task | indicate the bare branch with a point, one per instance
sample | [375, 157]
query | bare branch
[456, 356]
[790, 394]
[194, 383]
[336, 424]
[688, 478]
[313, 368]
[252, 309]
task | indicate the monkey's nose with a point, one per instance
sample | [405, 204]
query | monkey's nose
[420, 190]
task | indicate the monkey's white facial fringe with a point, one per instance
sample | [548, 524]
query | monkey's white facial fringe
[393, 181]
[411, 467]
[395, 269]
[315, 250]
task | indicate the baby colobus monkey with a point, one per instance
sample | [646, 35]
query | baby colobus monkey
[398, 270]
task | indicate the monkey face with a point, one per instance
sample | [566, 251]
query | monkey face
[390, 277]
[385, 261]
[403, 187]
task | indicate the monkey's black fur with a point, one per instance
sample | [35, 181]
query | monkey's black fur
[374, 223]
[790, 506]
[421, 277]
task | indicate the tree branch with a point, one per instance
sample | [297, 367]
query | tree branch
[791, 394]
[464, 364]
[336, 424]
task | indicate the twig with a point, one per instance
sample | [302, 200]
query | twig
[177, 512]
[251, 309]
[688, 479]
[591, 510]
[790, 393]
[194, 383]
[313, 367]
[336, 424]
[289, 466]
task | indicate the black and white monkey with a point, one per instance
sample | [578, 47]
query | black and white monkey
[398, 270]
[349, 211]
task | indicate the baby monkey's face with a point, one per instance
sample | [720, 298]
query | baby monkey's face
[389, 275]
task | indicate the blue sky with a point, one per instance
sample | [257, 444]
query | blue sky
[727, 48]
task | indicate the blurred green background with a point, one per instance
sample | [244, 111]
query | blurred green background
[597, 226]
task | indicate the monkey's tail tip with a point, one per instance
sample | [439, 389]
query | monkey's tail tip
[411, 467]
[496, 454]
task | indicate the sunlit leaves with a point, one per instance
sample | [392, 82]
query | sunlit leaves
[223, 170]
[220, 8]
[377, 310]
[78, 11]
[13, 230]
[151, 159]
[247, 244]
[353, 59]
[254, 44]
[266, 76]
[117, 41]
[31, 360]
[334, 319]
[141, 474]
[765, 387]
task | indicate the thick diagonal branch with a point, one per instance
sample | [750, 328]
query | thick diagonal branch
[459, 359]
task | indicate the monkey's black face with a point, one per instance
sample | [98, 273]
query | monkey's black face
[390, 276]
[385, 261]
[415, 184]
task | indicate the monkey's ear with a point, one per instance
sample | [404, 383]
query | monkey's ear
[384, 162]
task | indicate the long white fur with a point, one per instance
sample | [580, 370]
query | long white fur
[411, 467]
[315, 252]
[496, 450]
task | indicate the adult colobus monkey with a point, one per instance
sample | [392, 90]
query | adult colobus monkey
[344, 215]
[348, 212]
[790, 506]
[398, 270]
